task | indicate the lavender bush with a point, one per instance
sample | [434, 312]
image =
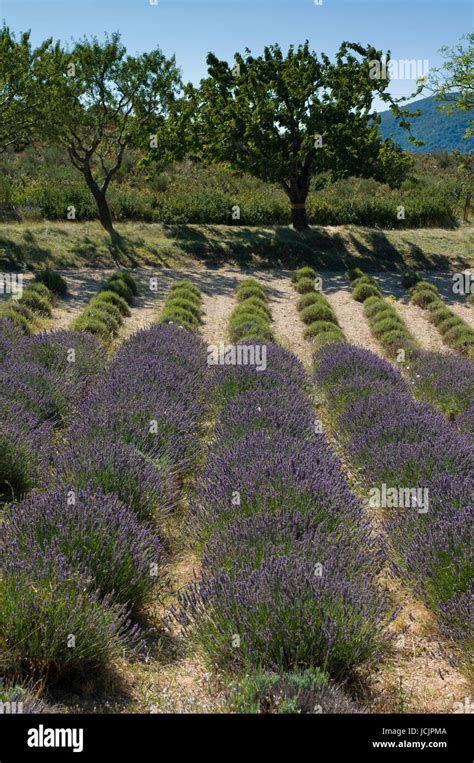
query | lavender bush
[289, 561]
[396, 440]
[51, 619]
[100, 537]
[446, 381]
[25, 451]
[115, 468]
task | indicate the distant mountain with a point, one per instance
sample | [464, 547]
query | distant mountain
[438, 131]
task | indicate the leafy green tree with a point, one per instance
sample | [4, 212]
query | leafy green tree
[287, 119]
[98, 101]
[453, 82]
[18, 92]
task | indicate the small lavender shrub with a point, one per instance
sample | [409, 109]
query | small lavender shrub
[52, 620]
[96, 534]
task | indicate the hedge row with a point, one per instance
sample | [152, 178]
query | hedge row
[96, 562]
[289, 560]
[104, 314]
[182, 306]
[36, 302]
[251, 318]
[455, 332]
[322, 326]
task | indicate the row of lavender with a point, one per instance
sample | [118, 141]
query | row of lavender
[289, 561]
[80, 561]
[42, 380]
[406, 450]
[446, 381]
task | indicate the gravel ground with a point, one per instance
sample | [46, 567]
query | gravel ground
[427, 335]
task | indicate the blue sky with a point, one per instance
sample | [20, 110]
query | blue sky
[411, 29]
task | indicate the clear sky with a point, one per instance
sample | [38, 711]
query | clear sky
[411, 29]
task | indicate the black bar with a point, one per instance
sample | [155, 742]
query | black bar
[313, 737]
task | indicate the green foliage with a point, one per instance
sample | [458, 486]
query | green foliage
[19, 92]
[250, 320]
[119, 286]
[16, 317]
[53, 281]
[304, 285]
[246, 312]
[424, 286]
[244, 292]
[37, 302]
[362, 279]
[265, 113]
[253, 328]
[310, 298]
[16, 471]
[439, 314]
[258, 302]
[261, 692]
[127, 278]
[364, 291]
[395, 340]
[42, 290]
[34, 189]
[424, 296]
[104, 314]
[385, 324]
[318, 312]
[319, 327]
[93, 325]
[375, 305]
[109, 103]
[449, 323]
[180, 317]
[354, 273]
[304, 272]
[110, 297]
[183, 305]
[453, 83]
[185, 284]
[410, 278]
[187, 304]
[101, 312]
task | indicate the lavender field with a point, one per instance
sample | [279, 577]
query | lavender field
[240, 493]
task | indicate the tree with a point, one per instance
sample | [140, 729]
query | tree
[288, 119]
[453, 83]
[98, 101]
[18, 92]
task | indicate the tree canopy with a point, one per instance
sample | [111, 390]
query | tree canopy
[19, 95]
[98, 101]
[287, 119]
[453, 83]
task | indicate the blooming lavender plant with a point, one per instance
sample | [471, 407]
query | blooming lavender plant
[397, 440]
[52, 619]
[447, 381]
[116, 468]
[97, 535]
[25, 451]
[289, 560]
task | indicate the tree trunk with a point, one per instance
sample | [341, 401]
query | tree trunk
[104, 212]
[297, 191]
[298, 216]
[100, 199]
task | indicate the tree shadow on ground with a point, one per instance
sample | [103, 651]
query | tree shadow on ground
[22, 256]
[419, 259]
[275, 247]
